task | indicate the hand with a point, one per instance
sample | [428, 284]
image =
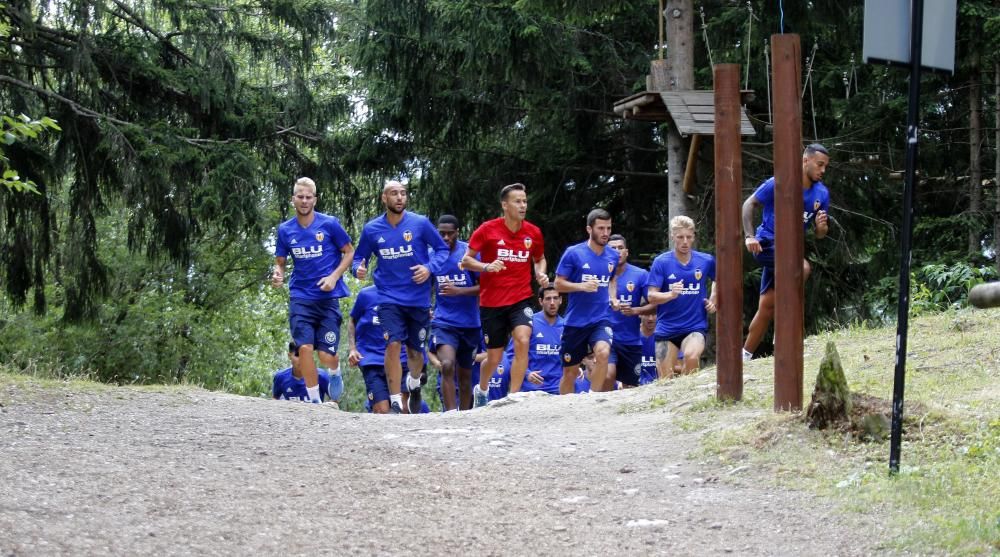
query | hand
[277, 278]
[821, 219]
[753, 246]
[362, 271]
[328, 282]
[494, 266]
[628, 311]
[589, 286]
[354, 357]
[677, 288]
[447, 289]
[420, 273]
[543, 279]
[616, 304]
[535, 378]
[710, 305]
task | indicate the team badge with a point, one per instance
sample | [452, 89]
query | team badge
[319, 236]
[528, 313]
[371, 396]
[422, 335]
[330, 337]
[611, 267]
[527, 243]
[630, 286]
[385, 335]
[486, 339]
[407, 235]
[609, 331]
[816, 205]
[567, 357]
[697, 274]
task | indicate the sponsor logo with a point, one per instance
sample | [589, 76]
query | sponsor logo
[672, 277]
[319, 236]
[330, 337]
[294, 241]
[396, 253]
[586, 265]
[527, 241]
[630, 286]
[501, 242]
[602, 281]
[697, 274]
[381, 240]
[542, 349]
[457, 280]
[625, 299]
[407, 235]
[289, 390]
[309, 252]
[539, 335]
[513, 255]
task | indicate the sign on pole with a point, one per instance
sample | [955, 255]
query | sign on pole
[888, 33]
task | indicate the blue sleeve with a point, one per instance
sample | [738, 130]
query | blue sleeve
[643, 287]
[280, 245]
[765, 192]
[567, 265]
[362, 252]
[338, 235]
[275, 388]
[655, 276]
[360, 304]
[436, 243]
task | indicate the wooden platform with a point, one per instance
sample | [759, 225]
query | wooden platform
[693, 112]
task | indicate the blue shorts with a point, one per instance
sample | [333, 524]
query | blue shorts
[375, 383]
[577, 342]
[315, 322]
[405, 324]
[766, 260]
[628, 363]
[465, 341]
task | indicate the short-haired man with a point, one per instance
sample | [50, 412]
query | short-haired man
[409, 251]
[511, 250]
[647, 332]
[586, 272]
[760, 243]
[321, 252]
[678, 281]
[455, 327]
[544, 350]
[625, 363]
[288, 383]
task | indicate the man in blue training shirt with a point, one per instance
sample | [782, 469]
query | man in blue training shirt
[409, 251]
[625, 363]
[288, 383]
[321, 251]
[587, 273]
[678, 281]
[455, 328]
[545, 349]
[647, 332]
[816, 203]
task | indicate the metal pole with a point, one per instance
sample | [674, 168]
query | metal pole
[902, 319]
[789, 291]
[728, 233]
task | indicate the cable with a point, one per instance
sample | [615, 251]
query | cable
[781, 9]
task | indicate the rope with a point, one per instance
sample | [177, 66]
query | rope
[659, 19]
[704, 35]
[809, 82]
[781, 8]
[746, 79]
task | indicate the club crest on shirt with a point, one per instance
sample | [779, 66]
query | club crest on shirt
[611, 267]
[319, 236]
[527, 243]
[385, 335]
[407, 235]
[697, 274]
[816, 205]
[630, 286]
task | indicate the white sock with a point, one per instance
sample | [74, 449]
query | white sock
[335, 371]
[313, 393]
[747, 356]
[397, 398]
[412, 382]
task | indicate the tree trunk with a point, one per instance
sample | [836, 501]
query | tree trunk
[680, 65]
[975, 147]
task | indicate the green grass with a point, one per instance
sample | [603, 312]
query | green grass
[946, 497]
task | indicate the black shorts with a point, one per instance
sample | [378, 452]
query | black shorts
[499, 322]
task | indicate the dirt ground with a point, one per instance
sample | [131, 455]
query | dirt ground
[116, 471]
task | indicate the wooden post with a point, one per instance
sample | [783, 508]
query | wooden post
[789, 235]
[728, 233]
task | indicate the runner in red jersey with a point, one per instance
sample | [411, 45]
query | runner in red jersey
[509, 249]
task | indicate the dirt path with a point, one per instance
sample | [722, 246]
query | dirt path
[124, 471]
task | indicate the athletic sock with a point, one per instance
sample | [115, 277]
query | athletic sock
[747, 356]
[397, 398]
[313, 393]
[336, 385]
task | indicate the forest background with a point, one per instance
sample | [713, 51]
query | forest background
[149, 151]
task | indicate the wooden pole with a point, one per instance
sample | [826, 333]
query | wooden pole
[728, 234]
[789, 235]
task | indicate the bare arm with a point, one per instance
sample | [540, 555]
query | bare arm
[749, 206]
[565, 286]
[278, 276]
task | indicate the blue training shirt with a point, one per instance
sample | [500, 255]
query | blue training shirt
[286, 386]
[814, 199]
[414, 241]
[544, 353]
[631, 289]
[315, 252]
[369, 338]
[647, 373]
[579, 264]
[456, 311]
[686, 313]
